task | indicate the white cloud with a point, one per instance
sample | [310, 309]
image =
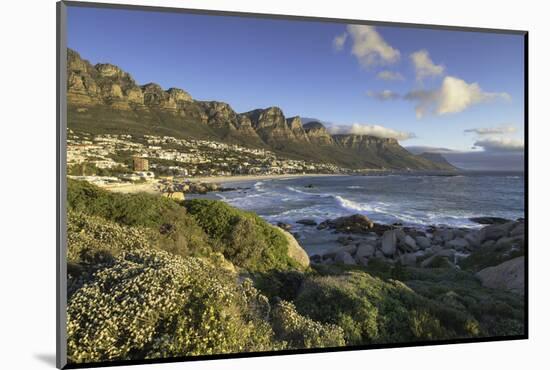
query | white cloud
[390, 76]
[457, 95]
[454, 95]
[383, 95]
[424, 66]
[339, 41]
[372, 130]
[369, 47]
[500, 144]
[493, 130]
[418, 149]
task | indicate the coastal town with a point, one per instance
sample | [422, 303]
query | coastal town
[119, 158]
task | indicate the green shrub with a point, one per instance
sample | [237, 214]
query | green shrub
[172, 228]
[151, 304]
[139, 209]
[282, 284]
[301, 332]
[371, 310]
[244, 238]
[497, 313]
[489, 256]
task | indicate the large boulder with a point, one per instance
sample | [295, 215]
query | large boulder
[331, 253]
[423, 242]
[474, 238]
[443, 235]
[345, 258]
[509, 275]
[459, 244]
[351, 224]
[495, 232]
[410, 243]
[389, 243]
[307, 222]
[364, 252]
[489, 220]
[295, 250]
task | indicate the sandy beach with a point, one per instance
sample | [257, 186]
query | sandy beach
[242, 178]
[152, 186]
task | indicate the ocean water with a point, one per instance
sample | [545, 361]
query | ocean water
[412, 199]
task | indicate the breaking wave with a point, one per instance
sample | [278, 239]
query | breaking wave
[351, 205]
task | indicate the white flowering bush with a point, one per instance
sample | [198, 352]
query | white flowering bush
[91, 239]
[150, 304]
[144, 282]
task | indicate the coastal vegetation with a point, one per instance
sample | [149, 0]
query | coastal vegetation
[153, 277]
[242, 237]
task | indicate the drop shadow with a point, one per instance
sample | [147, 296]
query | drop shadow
[46, 358]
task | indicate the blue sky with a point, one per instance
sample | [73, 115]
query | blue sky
[299, 67]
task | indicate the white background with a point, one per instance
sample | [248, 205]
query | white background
[27, 167]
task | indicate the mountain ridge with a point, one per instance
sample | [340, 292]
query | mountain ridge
[106, 99]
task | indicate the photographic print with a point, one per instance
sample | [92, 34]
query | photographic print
[241, 184]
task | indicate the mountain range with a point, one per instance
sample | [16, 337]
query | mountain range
[102, 98]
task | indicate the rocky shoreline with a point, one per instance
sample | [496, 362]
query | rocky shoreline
[361, 241]
[192, 187]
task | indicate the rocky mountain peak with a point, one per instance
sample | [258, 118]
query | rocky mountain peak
[269, 117]
[272, 116]
[153, 94]
[318, 133]
[315, 126]
[75, 63]
[110, 70]
[179, 95]
[114, 94]
[294, 123]
[219, 114]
